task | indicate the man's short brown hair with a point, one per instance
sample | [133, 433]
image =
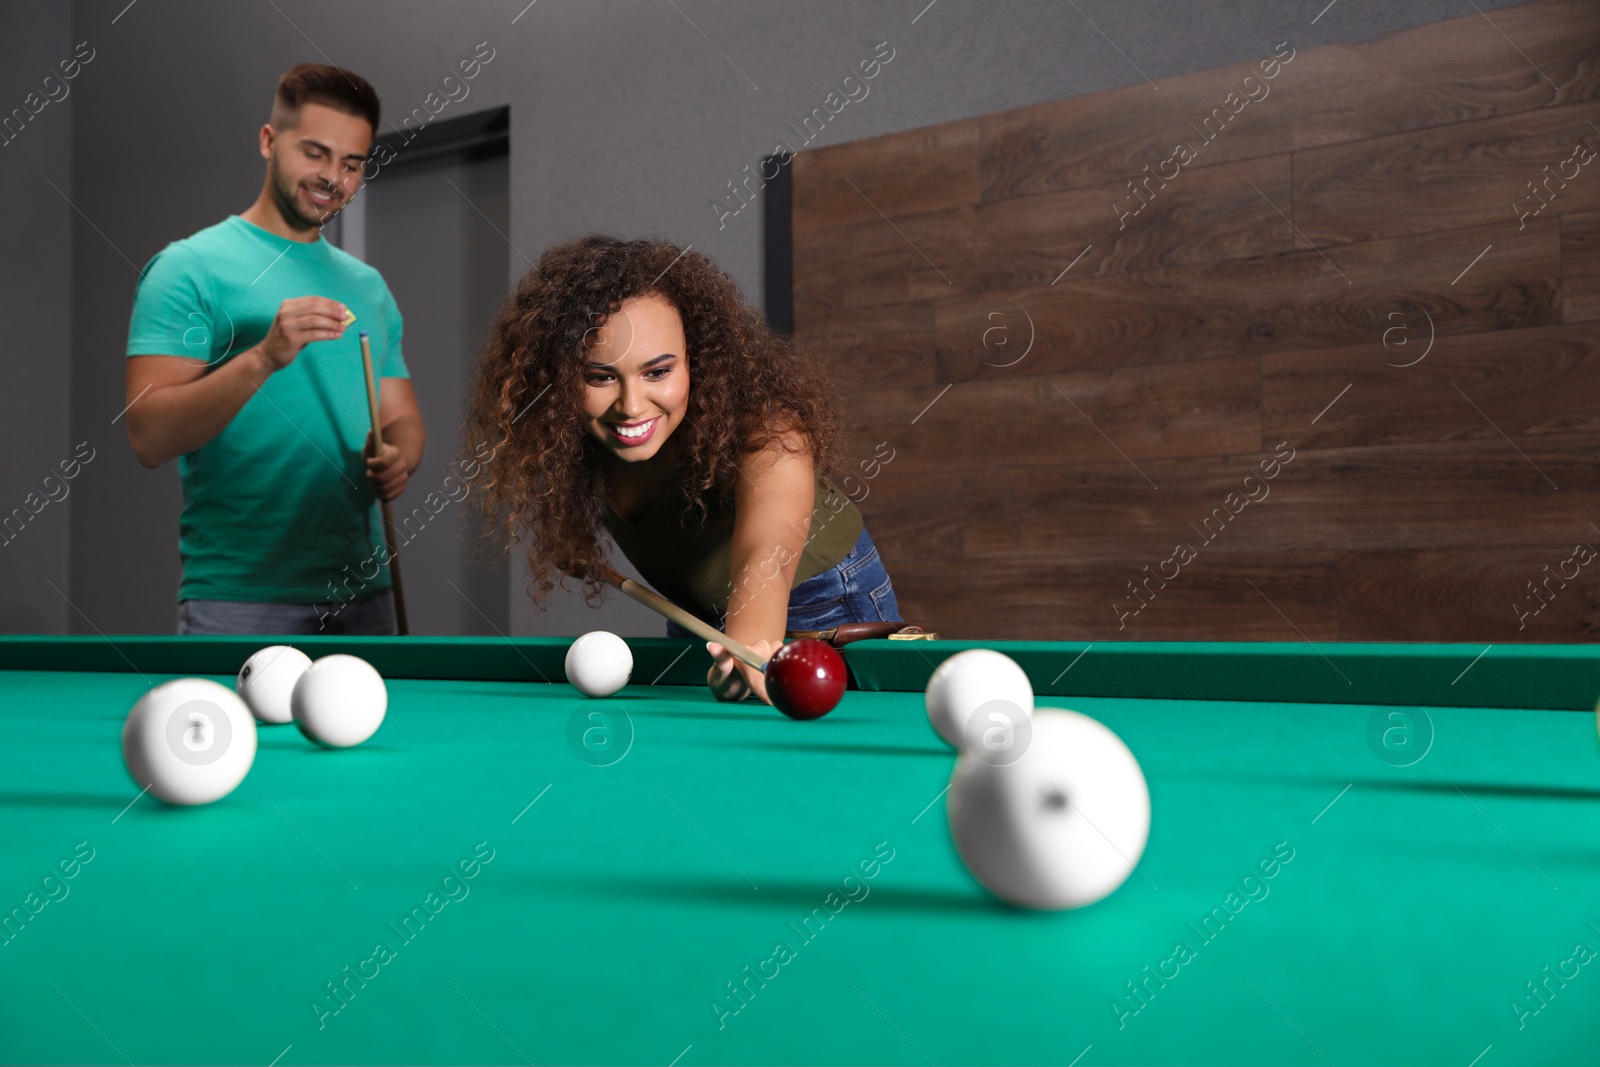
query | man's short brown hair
[335, 87]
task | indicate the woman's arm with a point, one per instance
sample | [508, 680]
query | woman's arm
[772, 516]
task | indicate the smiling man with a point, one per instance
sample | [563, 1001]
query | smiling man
[245, 366]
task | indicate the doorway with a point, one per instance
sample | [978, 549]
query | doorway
[434, 221]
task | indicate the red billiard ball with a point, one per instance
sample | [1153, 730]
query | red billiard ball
[805, 678]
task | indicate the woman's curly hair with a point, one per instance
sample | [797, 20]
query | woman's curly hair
[748, 386]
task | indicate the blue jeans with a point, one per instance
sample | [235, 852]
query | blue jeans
[856, 589]
[367, 616]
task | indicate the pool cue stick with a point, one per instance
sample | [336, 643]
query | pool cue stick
[388, 516]
[667, 609]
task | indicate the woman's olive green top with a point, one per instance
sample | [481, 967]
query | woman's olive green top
[690, 564]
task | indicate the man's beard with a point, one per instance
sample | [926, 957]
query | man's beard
[289, 202]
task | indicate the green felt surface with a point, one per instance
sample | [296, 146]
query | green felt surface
[1419, 674]
[620, 899]
[1446, 675]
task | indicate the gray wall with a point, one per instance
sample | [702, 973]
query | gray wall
[435, 233]
[36, 319]
[625, 117]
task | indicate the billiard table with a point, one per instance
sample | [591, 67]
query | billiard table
[1359, 854]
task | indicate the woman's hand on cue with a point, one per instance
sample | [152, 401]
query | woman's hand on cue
[386, 471]
[731, 678]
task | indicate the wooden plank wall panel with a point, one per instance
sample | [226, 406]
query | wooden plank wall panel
[1019, 601]
[907, 173]
[1414, 79]
[1518, 593]
[1188, 409]
[1218, 214]
[1580, 265]
[1235, 307]
[1117, 134]
[885, 347]
[1515, 166]
[1548, 382]
[1411, 497]
[871, 263]
[1080, 357]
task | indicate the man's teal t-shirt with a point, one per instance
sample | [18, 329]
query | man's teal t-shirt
[277, 507]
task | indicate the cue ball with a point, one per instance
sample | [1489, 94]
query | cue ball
[190, 741]
[599, 663]
[266, 681]
[1060, 827]
[339, 701]
[969, 679]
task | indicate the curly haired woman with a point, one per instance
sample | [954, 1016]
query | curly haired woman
[666, 413]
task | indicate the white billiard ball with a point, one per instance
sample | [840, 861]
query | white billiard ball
[599, 663]
[967, 680]
[1061, 826]
[189, 741]
[266, 681]
[339, 701]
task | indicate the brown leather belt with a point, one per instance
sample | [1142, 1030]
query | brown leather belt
[844, 633]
